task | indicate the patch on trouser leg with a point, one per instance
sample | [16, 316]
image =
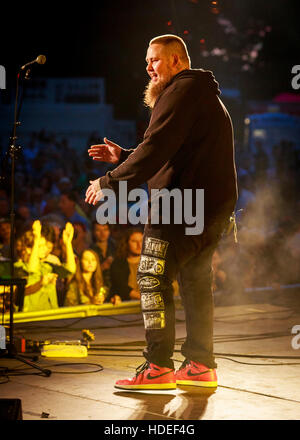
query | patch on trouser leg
[148, 283]
[154, 320]
[155, 247]
[151, 265]
[152, 301]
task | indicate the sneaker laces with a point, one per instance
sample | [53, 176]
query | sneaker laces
[141, 368]
[184, 364]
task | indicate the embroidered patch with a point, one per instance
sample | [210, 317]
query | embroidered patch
[151, 265]
[154, 320]
[148, 283]
[152, 301]
[155, 247]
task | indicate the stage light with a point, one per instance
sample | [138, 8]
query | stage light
[214, 7]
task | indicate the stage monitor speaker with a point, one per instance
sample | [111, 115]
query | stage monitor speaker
[10, 409]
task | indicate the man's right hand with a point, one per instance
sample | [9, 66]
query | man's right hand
[108, 152]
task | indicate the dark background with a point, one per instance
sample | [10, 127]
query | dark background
[110, 38]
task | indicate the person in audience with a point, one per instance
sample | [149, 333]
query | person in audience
[57, 224]
[64, 185]
[5, 230]
[38, 203]
[123, 270]
[40, 291]
[41, 268]
[104, 245]
[23, 213]
[86, 286]
[47, 242]
[69, 208]
[65, 263]
[82, 238]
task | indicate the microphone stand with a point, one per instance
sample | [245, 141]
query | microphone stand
[13, 149]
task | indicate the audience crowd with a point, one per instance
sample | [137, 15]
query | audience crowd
[68, 259]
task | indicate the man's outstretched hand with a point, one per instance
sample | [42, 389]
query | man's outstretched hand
[107, 152]
[93, 194]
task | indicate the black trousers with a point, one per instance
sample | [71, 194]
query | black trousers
[168, 254]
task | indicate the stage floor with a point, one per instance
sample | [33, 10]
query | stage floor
[250, 388]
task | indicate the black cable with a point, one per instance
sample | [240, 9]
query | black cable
[123, 344]
[252, 356]
[227, 338]
[122, 320]
[180, 340]
[100, 368]
[294, 312]
[180, 361]
[11, 374]
[252, 338]
[115, 349]
[245, 337]
[218, 355]
[254, 363]
[255, 319]
[118, 355]
[50, 329]
[68, 326]
[22, 372]
[258, 356]
[41, 327]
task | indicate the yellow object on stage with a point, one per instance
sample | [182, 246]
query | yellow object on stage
[64, 350]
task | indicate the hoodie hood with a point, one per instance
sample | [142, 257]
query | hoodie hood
[205, 77]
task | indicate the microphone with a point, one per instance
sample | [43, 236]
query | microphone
[41, 59]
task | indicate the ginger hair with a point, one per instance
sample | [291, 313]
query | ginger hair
[174, 45]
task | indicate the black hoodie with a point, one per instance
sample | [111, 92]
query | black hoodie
[188, 144]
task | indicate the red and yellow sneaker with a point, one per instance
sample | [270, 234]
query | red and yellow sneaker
[194, 373]
[149, 377]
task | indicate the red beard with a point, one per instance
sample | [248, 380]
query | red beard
[153, 90]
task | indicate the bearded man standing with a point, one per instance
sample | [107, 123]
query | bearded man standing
[187, 145]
